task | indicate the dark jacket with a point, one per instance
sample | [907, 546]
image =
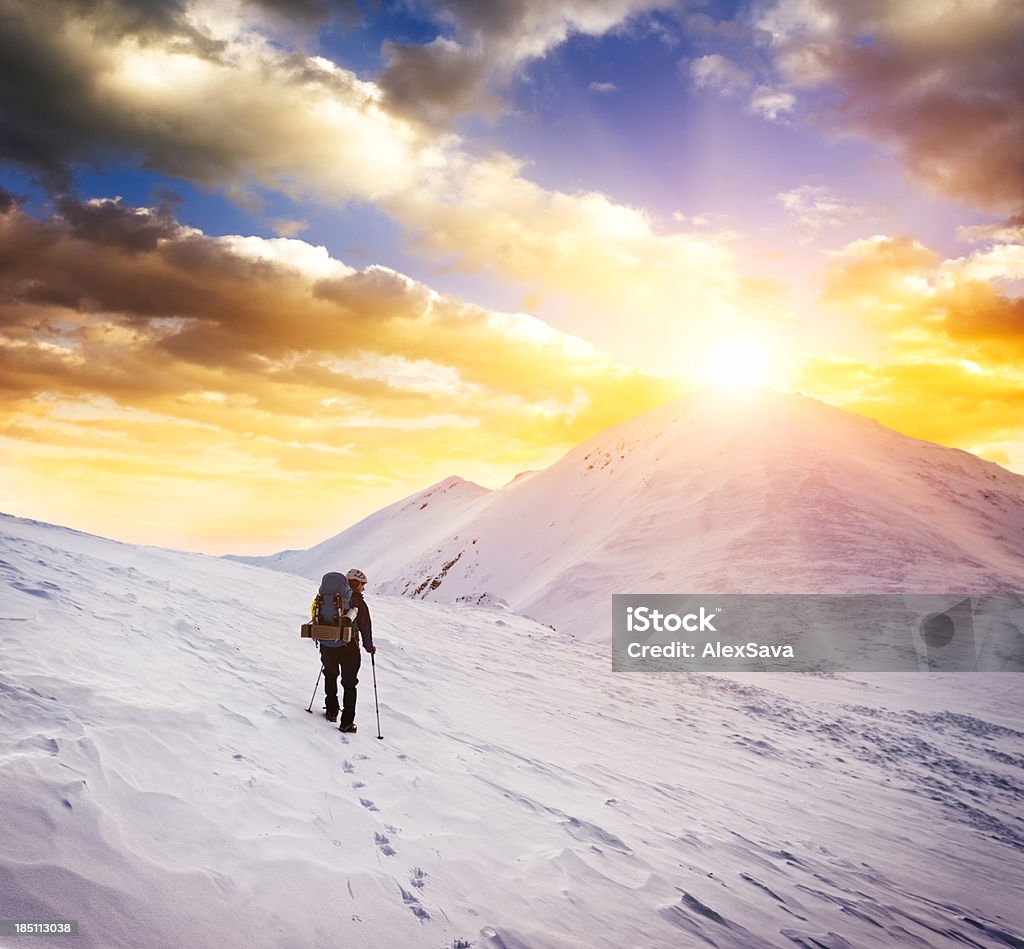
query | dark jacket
[363, 622]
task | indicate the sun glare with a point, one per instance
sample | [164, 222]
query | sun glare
[737, 363]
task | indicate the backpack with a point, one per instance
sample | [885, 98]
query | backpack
[333, 598]
[332, 613]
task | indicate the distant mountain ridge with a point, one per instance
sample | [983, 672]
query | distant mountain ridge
[767, 493]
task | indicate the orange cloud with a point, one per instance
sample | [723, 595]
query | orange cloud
[140, 356]
[949, 351]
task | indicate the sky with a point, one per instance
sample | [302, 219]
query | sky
[266, 267]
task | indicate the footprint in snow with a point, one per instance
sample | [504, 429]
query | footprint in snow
[347, 767]
[417, 878]
[413, 903]
[358, 784]
[384, 845]
[369, 805]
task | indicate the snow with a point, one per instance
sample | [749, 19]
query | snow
[416, 522]
[162, 783]
[711, 494]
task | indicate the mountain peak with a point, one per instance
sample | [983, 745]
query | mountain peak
[758, 491]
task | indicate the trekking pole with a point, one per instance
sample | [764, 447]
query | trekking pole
[315, 687]
[317, 600]
[373, 666]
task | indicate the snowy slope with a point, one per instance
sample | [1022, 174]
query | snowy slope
[162, 784]
[417, 522]
[712, 494]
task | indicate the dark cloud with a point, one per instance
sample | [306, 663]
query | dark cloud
[437, 82]
[114, 19]
[104, 262]
[57, 109]
[943, 85]
[52, 109]
[8, 201]
[445, 78]
[23, 241]
[111, 221]
[313, 11]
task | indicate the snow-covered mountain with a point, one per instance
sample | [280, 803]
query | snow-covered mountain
[712, 494]
[162, 785]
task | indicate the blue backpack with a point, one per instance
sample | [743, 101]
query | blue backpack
[333, 598]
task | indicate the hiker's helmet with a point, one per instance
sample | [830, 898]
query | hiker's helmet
[356, 575]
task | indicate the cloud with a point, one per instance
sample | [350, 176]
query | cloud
[943, 398]
[602, 88]
[448, 77]
[110, 221]
[941, 83]
[216, 102]
[771, 103]
[437, 81]
[947, 362]
[583, 245]
[288, 227]
[814, 209]
[702, 25]
[1010, 231]
[313, 11]
[882, 276]
[218, 302]
[8, 201]
[726, 77]
[904, 287]
[52, 57]
[977, 312]
[720, 74]
[126, 337]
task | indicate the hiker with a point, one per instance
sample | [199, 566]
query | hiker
[346, 659]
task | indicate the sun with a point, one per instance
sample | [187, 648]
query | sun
[737, 362]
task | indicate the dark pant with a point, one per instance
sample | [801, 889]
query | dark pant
[346, 661]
